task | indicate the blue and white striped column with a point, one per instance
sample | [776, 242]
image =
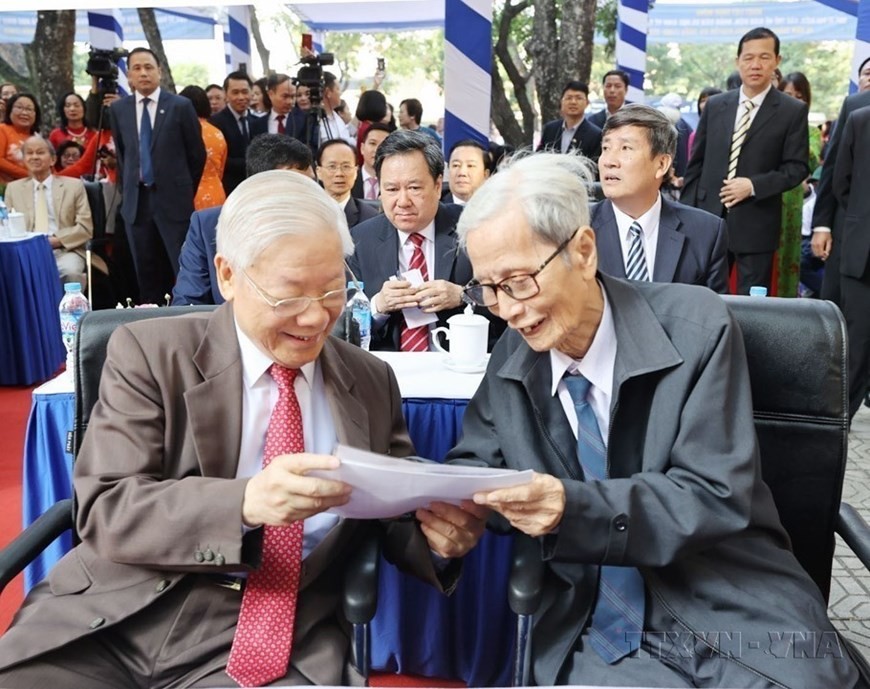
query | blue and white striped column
[862, 42]
[106, 33]
[237, 38]
[318, 42]
[467, 70]
[631, 31]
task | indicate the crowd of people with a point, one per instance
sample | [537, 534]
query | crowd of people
[626, 394]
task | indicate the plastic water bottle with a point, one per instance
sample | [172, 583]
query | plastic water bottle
[758, 291]
[361, 311]
[4, 219]
[72, 307]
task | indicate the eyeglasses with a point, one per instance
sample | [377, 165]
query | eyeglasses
[287, 308]
[518, 287]
[332, 168]
[23, 108]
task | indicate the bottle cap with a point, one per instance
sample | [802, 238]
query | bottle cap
[353, 285]
[72, 287]
[758, 291]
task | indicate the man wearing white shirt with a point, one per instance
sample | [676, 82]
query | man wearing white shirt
[158, 181]
[332, 126]
[220, 417]
[337, 170]
[468, 169]
[366, 185]
[751, 145]
[640, 234]
[56, 206]
[416, 231]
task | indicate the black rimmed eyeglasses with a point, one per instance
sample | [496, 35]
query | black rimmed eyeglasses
[518, 287]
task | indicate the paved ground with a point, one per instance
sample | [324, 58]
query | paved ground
[850, 590]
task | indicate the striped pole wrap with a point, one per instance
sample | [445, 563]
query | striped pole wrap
[237, 38]
[631, 33]
[862, 42]
[105, 32]
[318, 41]
[467, 69]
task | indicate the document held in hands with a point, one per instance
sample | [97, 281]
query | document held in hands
[386, 487]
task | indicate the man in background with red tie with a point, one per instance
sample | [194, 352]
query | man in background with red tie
[207, 556]
[415, 232]
[280, 120]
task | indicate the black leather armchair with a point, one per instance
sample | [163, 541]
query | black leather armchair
[796, 349]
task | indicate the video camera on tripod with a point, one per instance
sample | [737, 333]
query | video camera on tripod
[103, 64]
[311, 75]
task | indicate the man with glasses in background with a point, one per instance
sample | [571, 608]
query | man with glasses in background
[208, 557]
[337, 170]
[631, 403]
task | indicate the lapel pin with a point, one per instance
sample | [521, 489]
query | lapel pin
[162, 111]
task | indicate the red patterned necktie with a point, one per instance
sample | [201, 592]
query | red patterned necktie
[264, 633]
[281, 129]
[416, 339]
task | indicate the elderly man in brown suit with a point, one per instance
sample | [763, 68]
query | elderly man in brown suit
[193, 485]
[60, 209]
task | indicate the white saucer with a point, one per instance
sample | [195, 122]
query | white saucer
[479, 367]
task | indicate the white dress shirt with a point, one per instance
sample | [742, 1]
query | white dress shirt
[597, 367]
[756, 101]
[152, 108]
[273, 122]
[649, 224]
[259, 396]
[568, 134]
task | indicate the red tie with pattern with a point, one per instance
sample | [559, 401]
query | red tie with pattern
[264, 633]
[281, 129]
[416, 339]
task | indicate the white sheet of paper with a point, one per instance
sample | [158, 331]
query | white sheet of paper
[385, 487]
[415, 317]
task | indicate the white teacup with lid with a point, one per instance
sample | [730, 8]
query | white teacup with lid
[468, 334]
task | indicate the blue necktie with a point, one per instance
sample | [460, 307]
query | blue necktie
[617, 620]
[636, 268]
[146, 167]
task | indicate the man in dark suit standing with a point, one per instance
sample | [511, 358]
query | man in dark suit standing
[337, 170]
[756, 140]
[416, 231]
[572, 132]
[639, 233]
[160, 160]
[615, 86]
[665, 562]
[851, 183]
[233, 121]
[827, 213]
[197, 281]
[207, 556]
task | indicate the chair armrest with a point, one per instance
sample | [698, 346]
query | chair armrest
[526, 580]
[361, 582]
[34, 539]
[855, 532]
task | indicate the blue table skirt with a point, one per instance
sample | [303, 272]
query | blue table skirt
[468, 635]
[31, 348]
[47, 473]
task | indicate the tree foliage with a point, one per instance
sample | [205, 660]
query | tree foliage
[49, 59]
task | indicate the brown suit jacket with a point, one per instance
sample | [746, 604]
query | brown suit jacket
[71, 208]
[170, 407]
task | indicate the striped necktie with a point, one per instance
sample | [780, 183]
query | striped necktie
[40, 215]
[617, 619]
[416, 339]
[635, 268]
[737, 139]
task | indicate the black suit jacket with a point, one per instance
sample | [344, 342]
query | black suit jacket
[852, 190]
[691, 247]
[587, 138]
[376, 259]
[294, 125]
[177, 152]
[237, 145]
[598, 118]
[774, 156]
[357, 211]
[827, 211]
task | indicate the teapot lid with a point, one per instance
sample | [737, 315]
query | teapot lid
[467, 317]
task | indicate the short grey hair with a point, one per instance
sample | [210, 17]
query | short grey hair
[660, 130]
[271, 205]
[39, 139]
[550, 189]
